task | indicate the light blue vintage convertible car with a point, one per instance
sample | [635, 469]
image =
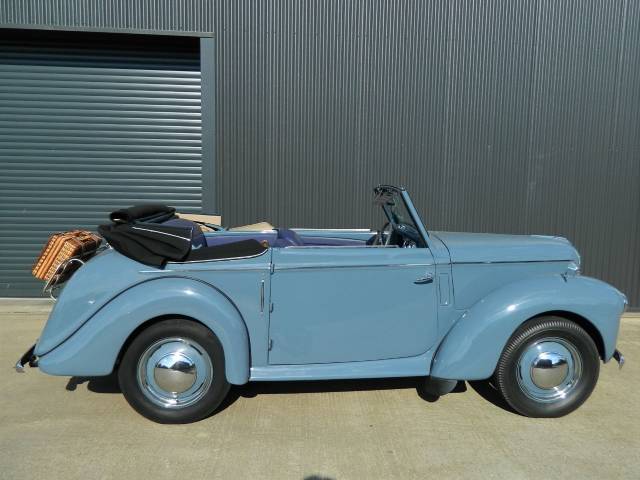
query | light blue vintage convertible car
[312, 304]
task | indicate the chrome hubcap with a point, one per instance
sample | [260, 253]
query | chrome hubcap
[549, 369]
[175, 372]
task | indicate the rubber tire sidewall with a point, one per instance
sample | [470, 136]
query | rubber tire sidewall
[128, 371]
[506, 381]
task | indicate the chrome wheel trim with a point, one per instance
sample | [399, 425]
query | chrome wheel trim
[549, 369]
[174, 372]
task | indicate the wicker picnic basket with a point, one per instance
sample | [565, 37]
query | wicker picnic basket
[62, 247]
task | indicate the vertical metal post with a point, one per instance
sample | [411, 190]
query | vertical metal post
[207, 96]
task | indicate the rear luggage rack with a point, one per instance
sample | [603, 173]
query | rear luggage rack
[63, 272]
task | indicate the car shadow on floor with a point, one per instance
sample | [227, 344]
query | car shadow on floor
[109, 384]
[491, 395]
[253, 389]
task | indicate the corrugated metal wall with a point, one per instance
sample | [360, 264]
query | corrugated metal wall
[85, 128]
[504, 116]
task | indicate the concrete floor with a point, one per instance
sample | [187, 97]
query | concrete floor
[53, 427]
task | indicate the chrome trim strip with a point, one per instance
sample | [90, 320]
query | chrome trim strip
[239, 268]
[162, 233]
[360, 230]
[328, 237]
[509, 261]
[236, 233]
[222, 259]
[372, 265]
[340, 246]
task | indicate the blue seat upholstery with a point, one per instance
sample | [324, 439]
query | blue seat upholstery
[288, 238]
[198, 239]
[222, 238]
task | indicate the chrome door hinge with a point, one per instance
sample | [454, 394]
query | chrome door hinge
[270, 344]
[271, 308]
[272, 267]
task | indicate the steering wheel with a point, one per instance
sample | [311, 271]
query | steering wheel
[408, 234]
[383, 237]
[387, 230]
[402, 234]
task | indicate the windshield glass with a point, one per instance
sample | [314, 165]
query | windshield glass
[394, 207]
[396, 211]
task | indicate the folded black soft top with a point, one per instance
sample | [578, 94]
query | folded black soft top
[156, 244]
[239, 249]
[148, 243]
[151, 213]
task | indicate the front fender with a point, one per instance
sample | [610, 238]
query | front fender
[93, 349]
[471, 349]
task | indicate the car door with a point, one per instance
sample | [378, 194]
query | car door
[343, 304]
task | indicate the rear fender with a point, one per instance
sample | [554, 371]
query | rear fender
[94, 348]
[471, 349]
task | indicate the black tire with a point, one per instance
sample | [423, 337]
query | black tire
[522, 394]
[207, 397]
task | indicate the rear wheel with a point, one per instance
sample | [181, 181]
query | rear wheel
[173, 372]
[549, 368]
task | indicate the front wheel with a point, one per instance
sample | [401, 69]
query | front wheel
[173, 372]
[549, 368]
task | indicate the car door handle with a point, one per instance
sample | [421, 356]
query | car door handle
[428, 278]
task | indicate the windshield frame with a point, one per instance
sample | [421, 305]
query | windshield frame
[389, 197]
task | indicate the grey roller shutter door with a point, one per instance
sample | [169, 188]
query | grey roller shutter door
[89, 123]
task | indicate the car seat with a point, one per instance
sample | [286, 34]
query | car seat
[197, 237]
[287, 238]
